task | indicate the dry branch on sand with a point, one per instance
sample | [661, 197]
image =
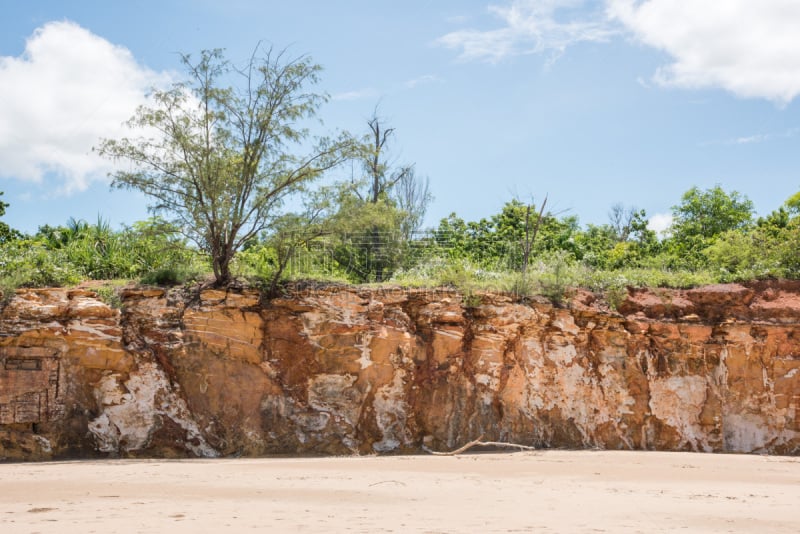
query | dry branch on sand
[479, 443]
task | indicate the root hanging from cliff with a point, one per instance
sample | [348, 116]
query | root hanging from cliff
[479, 443]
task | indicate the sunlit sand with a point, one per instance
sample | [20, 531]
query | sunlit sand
[548, 491]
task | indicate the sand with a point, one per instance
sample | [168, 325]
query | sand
[548, 491]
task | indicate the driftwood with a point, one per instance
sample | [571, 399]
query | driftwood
[479, 443]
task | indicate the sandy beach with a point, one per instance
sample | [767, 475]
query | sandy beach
[548, 491]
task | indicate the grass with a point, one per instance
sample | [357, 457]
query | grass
[109, 291]
[553, 276]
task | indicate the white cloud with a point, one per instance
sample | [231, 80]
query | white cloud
[67, 90]
[660, 223]
[758, 138]
[755, 138]
[749, 48]
[422, 80]
[530, 26]
[358, 94]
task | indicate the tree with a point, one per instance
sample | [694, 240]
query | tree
[368, 241]
[412, 195]
[700, 218]
[793, 203]
[222, 159]
[6, 232]
[533, 221]
[296, 230]
[509, 239]
[381, 178]
[768, 250]
[624, 242]
[379, 210]
[625, 221]
[707, 214]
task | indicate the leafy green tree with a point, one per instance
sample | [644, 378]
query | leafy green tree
[499, 242]
[452, 237]
[793, 203]
[769, 249]
[707, 214]
[380, 179]
[368, 239]
[224, 157]
[300, 238]
[700, 218]
[595, 243]
[624, 242]
[379, 210]
[766, 251]
[6, 232]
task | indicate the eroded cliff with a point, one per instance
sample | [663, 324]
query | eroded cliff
[338, 370]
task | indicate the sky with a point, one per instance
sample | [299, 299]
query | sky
[590, 102]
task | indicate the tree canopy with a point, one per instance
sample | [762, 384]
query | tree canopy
[6, 232]
[707, 214]
[218, 160]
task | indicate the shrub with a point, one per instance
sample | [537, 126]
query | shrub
[556, 277]
[26, 263]
[170, 276]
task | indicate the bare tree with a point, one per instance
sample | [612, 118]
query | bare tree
[533, 222]
[376, 164]
[413, 196]
[621, 220]
[381, 178]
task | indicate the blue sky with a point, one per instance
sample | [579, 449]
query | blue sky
[591, 102]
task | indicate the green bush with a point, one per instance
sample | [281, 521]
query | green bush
[557, 273]
[27, 263]
[520, 286]
[109, 293]
[170, 276]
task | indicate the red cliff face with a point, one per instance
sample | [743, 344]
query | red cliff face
[350, 370]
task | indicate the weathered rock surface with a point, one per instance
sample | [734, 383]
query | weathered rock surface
[349, 370]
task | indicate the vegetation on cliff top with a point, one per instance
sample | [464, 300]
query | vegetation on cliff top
[341, 243]
[226, 159]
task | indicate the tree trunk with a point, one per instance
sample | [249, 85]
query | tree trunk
[222, 268]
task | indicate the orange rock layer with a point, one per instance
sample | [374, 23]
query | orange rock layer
[349, 370]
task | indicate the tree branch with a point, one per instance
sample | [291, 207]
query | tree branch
[479, 443]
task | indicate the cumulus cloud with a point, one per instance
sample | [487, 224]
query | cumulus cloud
[751, 49]
[531, 26]
[67, 90]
